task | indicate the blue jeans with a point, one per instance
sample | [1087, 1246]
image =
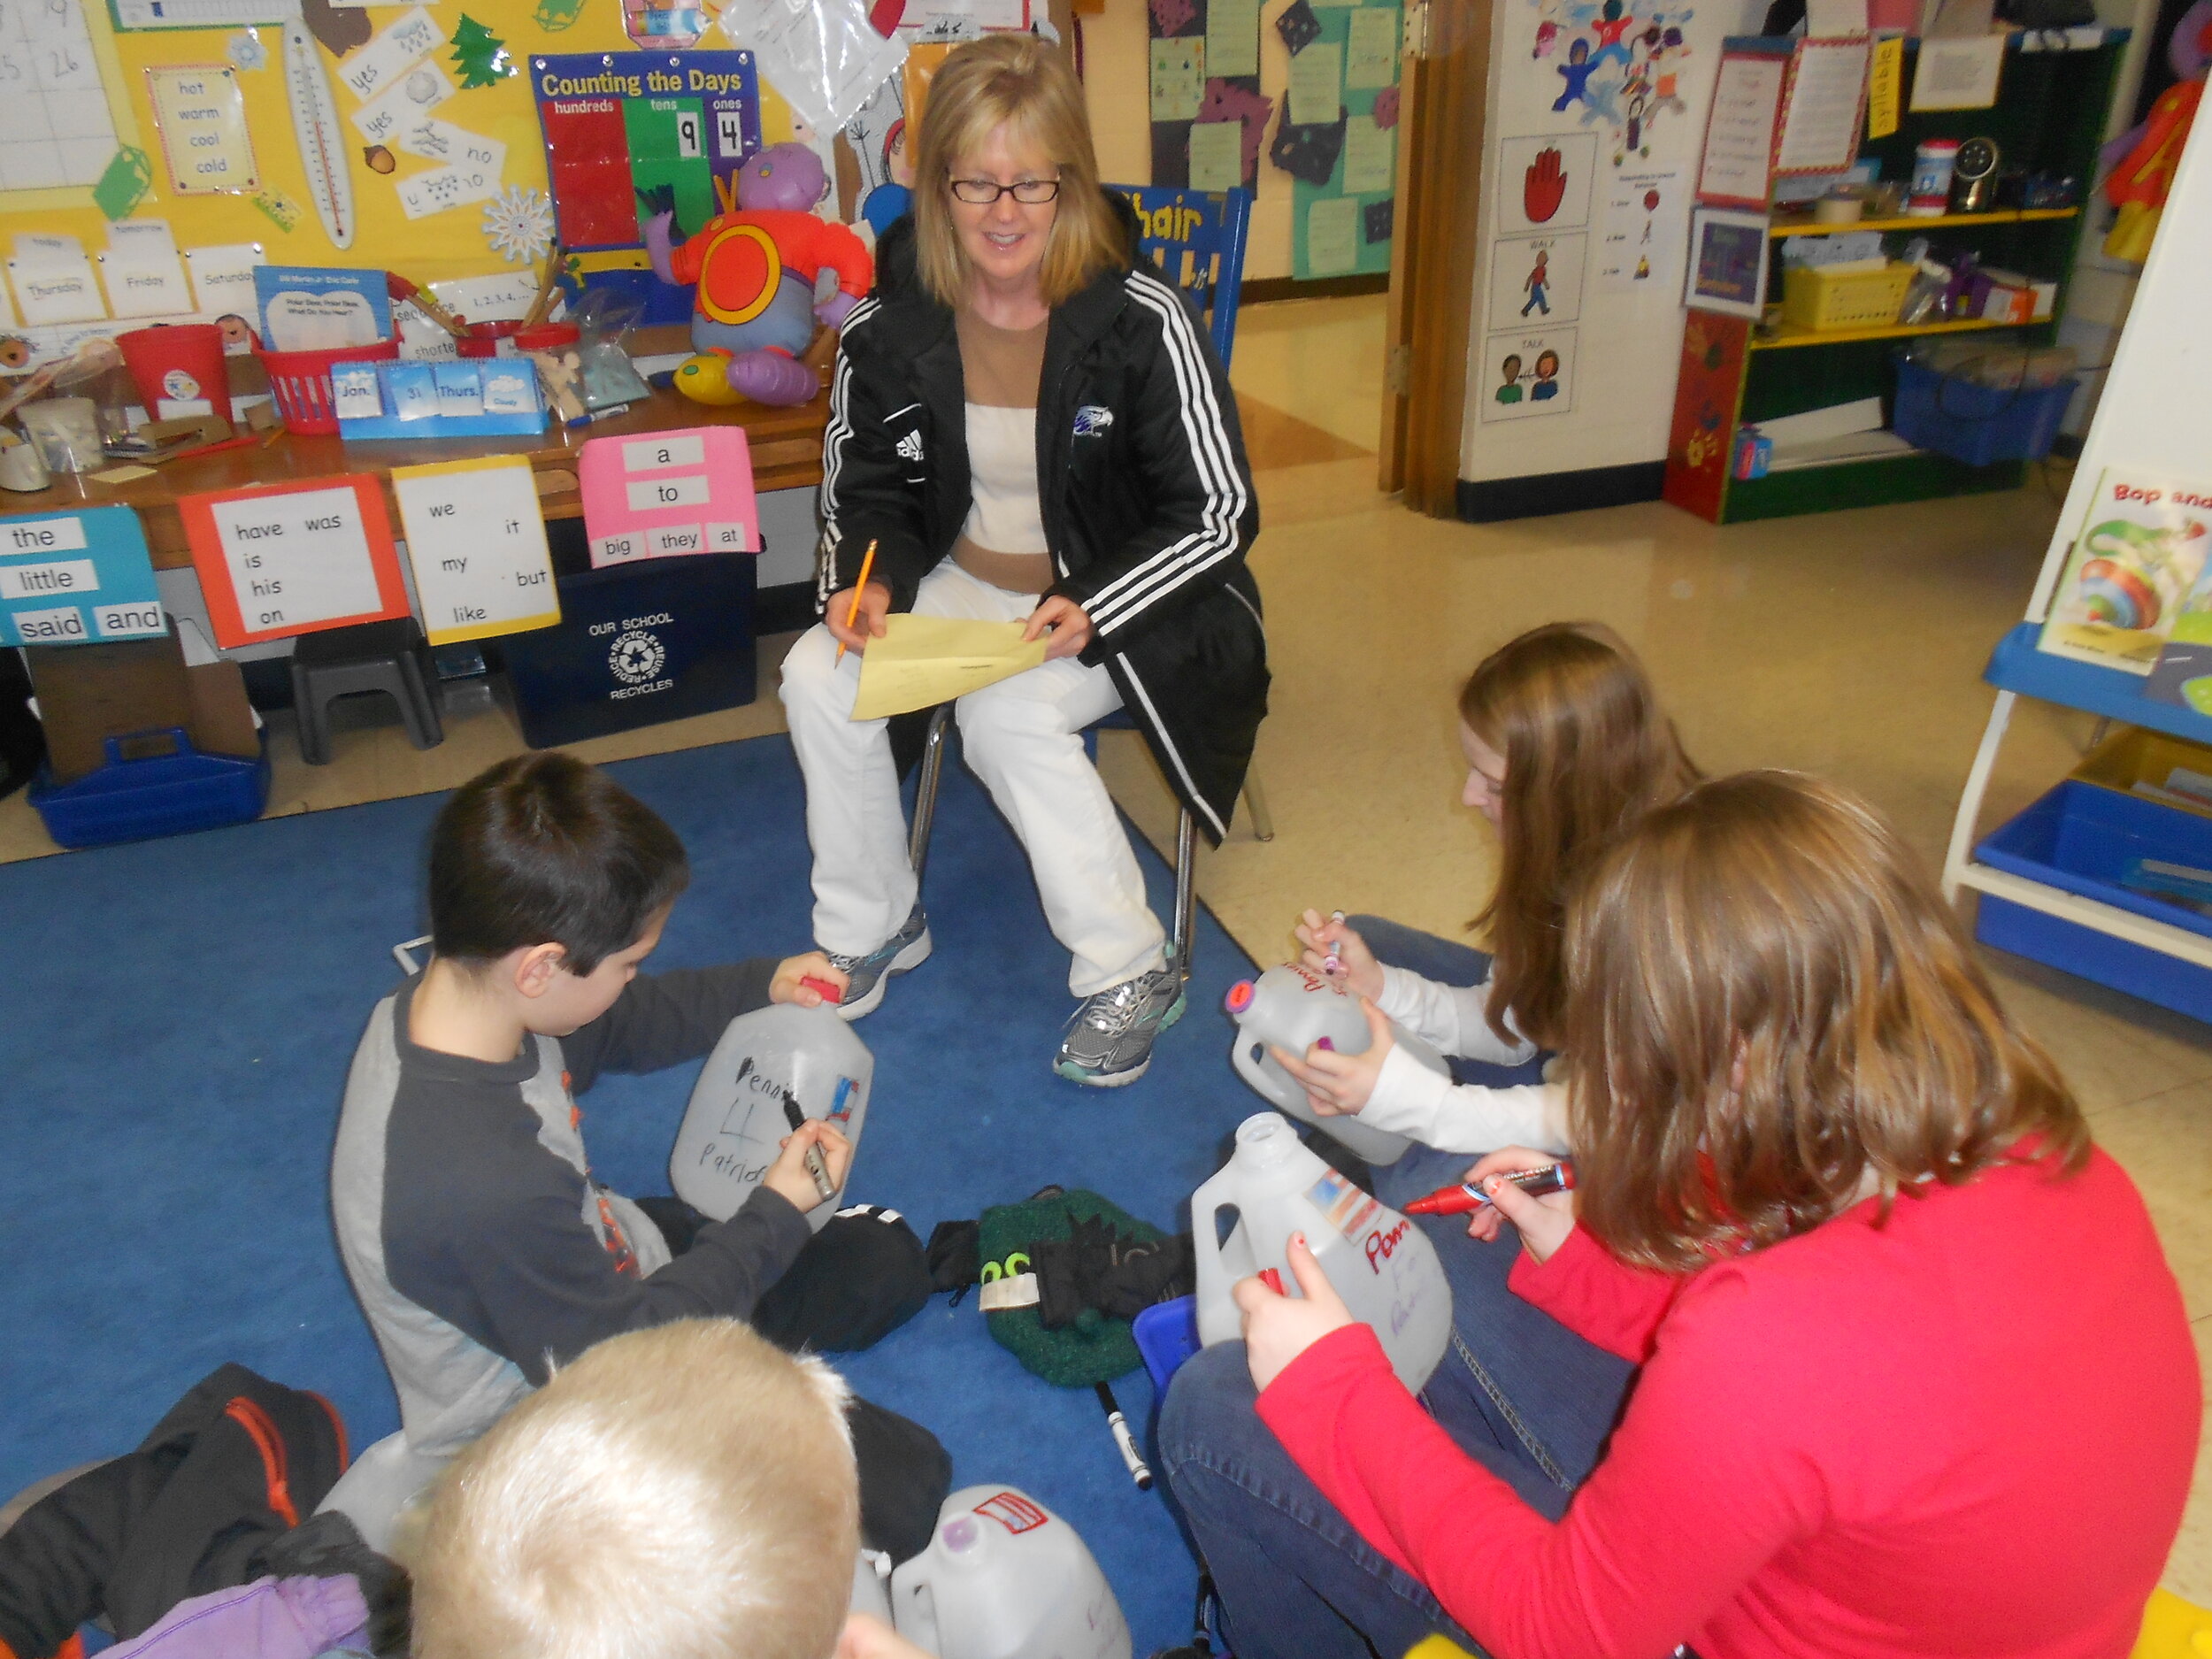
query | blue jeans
[1517, 1390]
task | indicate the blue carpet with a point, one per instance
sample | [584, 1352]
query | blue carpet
[174, 1035]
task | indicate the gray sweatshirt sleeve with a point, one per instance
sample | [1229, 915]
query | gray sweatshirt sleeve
[666, 1018]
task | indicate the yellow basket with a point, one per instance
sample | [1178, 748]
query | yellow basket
[2150, 764]
[1820, 299]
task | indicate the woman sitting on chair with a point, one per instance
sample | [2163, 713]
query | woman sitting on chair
[1029, 427]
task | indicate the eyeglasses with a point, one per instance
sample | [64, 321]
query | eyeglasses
[984, 192]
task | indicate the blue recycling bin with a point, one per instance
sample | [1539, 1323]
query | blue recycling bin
[637, 644]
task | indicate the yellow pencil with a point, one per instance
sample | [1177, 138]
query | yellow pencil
[852, 611]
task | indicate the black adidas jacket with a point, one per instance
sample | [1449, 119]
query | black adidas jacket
[1148, 503]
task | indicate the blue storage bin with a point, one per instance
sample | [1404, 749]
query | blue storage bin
[1166, 1334]
[2080, 838]
[1978, 425]
[154, 783]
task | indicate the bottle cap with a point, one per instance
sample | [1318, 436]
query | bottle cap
[1240, 997]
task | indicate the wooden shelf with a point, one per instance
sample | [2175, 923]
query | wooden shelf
[2003, 216]
[1790, 336]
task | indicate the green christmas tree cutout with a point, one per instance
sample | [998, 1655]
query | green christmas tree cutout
[480, 55]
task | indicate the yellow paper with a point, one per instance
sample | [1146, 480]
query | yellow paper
[1885, 88]
[923, 661]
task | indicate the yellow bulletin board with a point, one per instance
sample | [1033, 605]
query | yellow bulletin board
[102, 69]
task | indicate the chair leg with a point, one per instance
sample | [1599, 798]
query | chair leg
[419, 700]
[1256, 804]
[314, 726]
[1179, 943]
[933, 769]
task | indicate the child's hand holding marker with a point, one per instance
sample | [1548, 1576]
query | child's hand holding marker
[1338, 1084]
[1279, 1328]
[801, 980]
[1338, 954]
[1544, 1222]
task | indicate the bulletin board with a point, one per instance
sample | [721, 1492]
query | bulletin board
[428, 162]
[1339, 137]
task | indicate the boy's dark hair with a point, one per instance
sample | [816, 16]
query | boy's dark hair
[544, 849]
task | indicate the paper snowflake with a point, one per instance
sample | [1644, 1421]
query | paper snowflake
[519, 224]
[246, 51]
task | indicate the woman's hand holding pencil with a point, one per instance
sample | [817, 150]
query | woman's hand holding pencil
[855, 615]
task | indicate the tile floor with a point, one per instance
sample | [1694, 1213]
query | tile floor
[1848, 644]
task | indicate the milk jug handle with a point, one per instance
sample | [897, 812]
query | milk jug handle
[914, 1615]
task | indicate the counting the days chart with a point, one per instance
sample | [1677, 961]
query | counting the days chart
[294, 558]
[56, 131]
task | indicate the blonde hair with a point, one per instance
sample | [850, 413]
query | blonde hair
[1018, 81]
[1773, 1016]
[686, 1491]
[1586, 752]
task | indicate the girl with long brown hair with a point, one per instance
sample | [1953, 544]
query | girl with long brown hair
[1914, 1379]
[1566, 745]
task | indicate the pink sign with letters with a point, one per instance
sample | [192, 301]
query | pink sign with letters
[667, 494]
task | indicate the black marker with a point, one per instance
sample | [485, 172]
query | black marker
[816, 1165]
[1138, 1472]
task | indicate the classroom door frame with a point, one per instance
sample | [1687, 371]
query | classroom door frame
[1445, 106]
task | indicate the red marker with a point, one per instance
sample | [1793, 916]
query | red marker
[832, 994]
[1272, 1278]
[1457, 1200]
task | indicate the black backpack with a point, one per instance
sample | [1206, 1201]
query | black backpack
[236, 1463]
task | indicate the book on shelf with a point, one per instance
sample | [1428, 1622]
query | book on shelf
[2133, 573]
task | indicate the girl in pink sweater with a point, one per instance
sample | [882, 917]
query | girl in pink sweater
[1915, 1377]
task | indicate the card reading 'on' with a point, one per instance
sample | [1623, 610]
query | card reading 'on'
[668, 493]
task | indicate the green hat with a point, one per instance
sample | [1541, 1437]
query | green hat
[1095, 1347]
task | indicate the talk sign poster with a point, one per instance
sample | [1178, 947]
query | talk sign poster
[293, 558]
[76, 579]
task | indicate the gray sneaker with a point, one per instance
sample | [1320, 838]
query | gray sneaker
[908, 947]
[1111, 1042]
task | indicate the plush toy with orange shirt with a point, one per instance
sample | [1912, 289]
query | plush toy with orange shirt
[755, 267]
[2143, 161]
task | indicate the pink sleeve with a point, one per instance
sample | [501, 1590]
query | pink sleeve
[1598, 1297]
[1706, 1451]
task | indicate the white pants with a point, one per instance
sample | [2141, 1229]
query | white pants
[1024, 738]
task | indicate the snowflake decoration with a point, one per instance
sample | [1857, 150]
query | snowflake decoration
[246, 51]
[519, 224]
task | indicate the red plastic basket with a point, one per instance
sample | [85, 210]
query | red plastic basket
[300, 382]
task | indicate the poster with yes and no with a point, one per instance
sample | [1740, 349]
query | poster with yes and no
[476, 543]
[294, 558]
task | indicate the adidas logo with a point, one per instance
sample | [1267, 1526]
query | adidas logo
[911, 447]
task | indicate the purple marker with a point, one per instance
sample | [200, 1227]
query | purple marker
[1332, 964]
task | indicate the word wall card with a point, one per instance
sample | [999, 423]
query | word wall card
[71, 578]
[670, 494]
[293, 558]
[476, 541]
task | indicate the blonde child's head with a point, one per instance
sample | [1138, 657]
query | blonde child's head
[683, 1493]
[1568, 717]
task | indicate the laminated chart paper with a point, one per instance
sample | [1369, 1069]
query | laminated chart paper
[476, 541]
[294, 558]
[71, 578]
[668, 494]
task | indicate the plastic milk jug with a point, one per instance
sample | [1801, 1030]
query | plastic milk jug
[1383, 1265]
[738, 1115]
[1290, 1007]
[1004, 1578]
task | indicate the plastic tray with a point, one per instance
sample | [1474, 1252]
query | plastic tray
[1978, 425]
[2080, 838]
[1822, 299]
[169, 793]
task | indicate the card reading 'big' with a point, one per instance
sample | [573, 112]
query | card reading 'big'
[668, 493]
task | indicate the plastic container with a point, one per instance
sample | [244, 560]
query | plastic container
[1166, 1334]
[179, 369]
[1383, 1265]
[1291, 1006]
[736, 1122]
[1004, 1578]
[547, 337]
[2081, 838]
[491, 339]
[1930, 195]
[299, 382]
[1978, 425]
[154, 783]
[2133, 761]
[1821, 298]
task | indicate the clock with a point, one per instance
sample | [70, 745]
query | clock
[1974, 176]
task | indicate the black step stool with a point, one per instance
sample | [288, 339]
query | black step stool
[388, 656]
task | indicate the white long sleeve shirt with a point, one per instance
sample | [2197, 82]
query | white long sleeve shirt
[1412, 1101]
